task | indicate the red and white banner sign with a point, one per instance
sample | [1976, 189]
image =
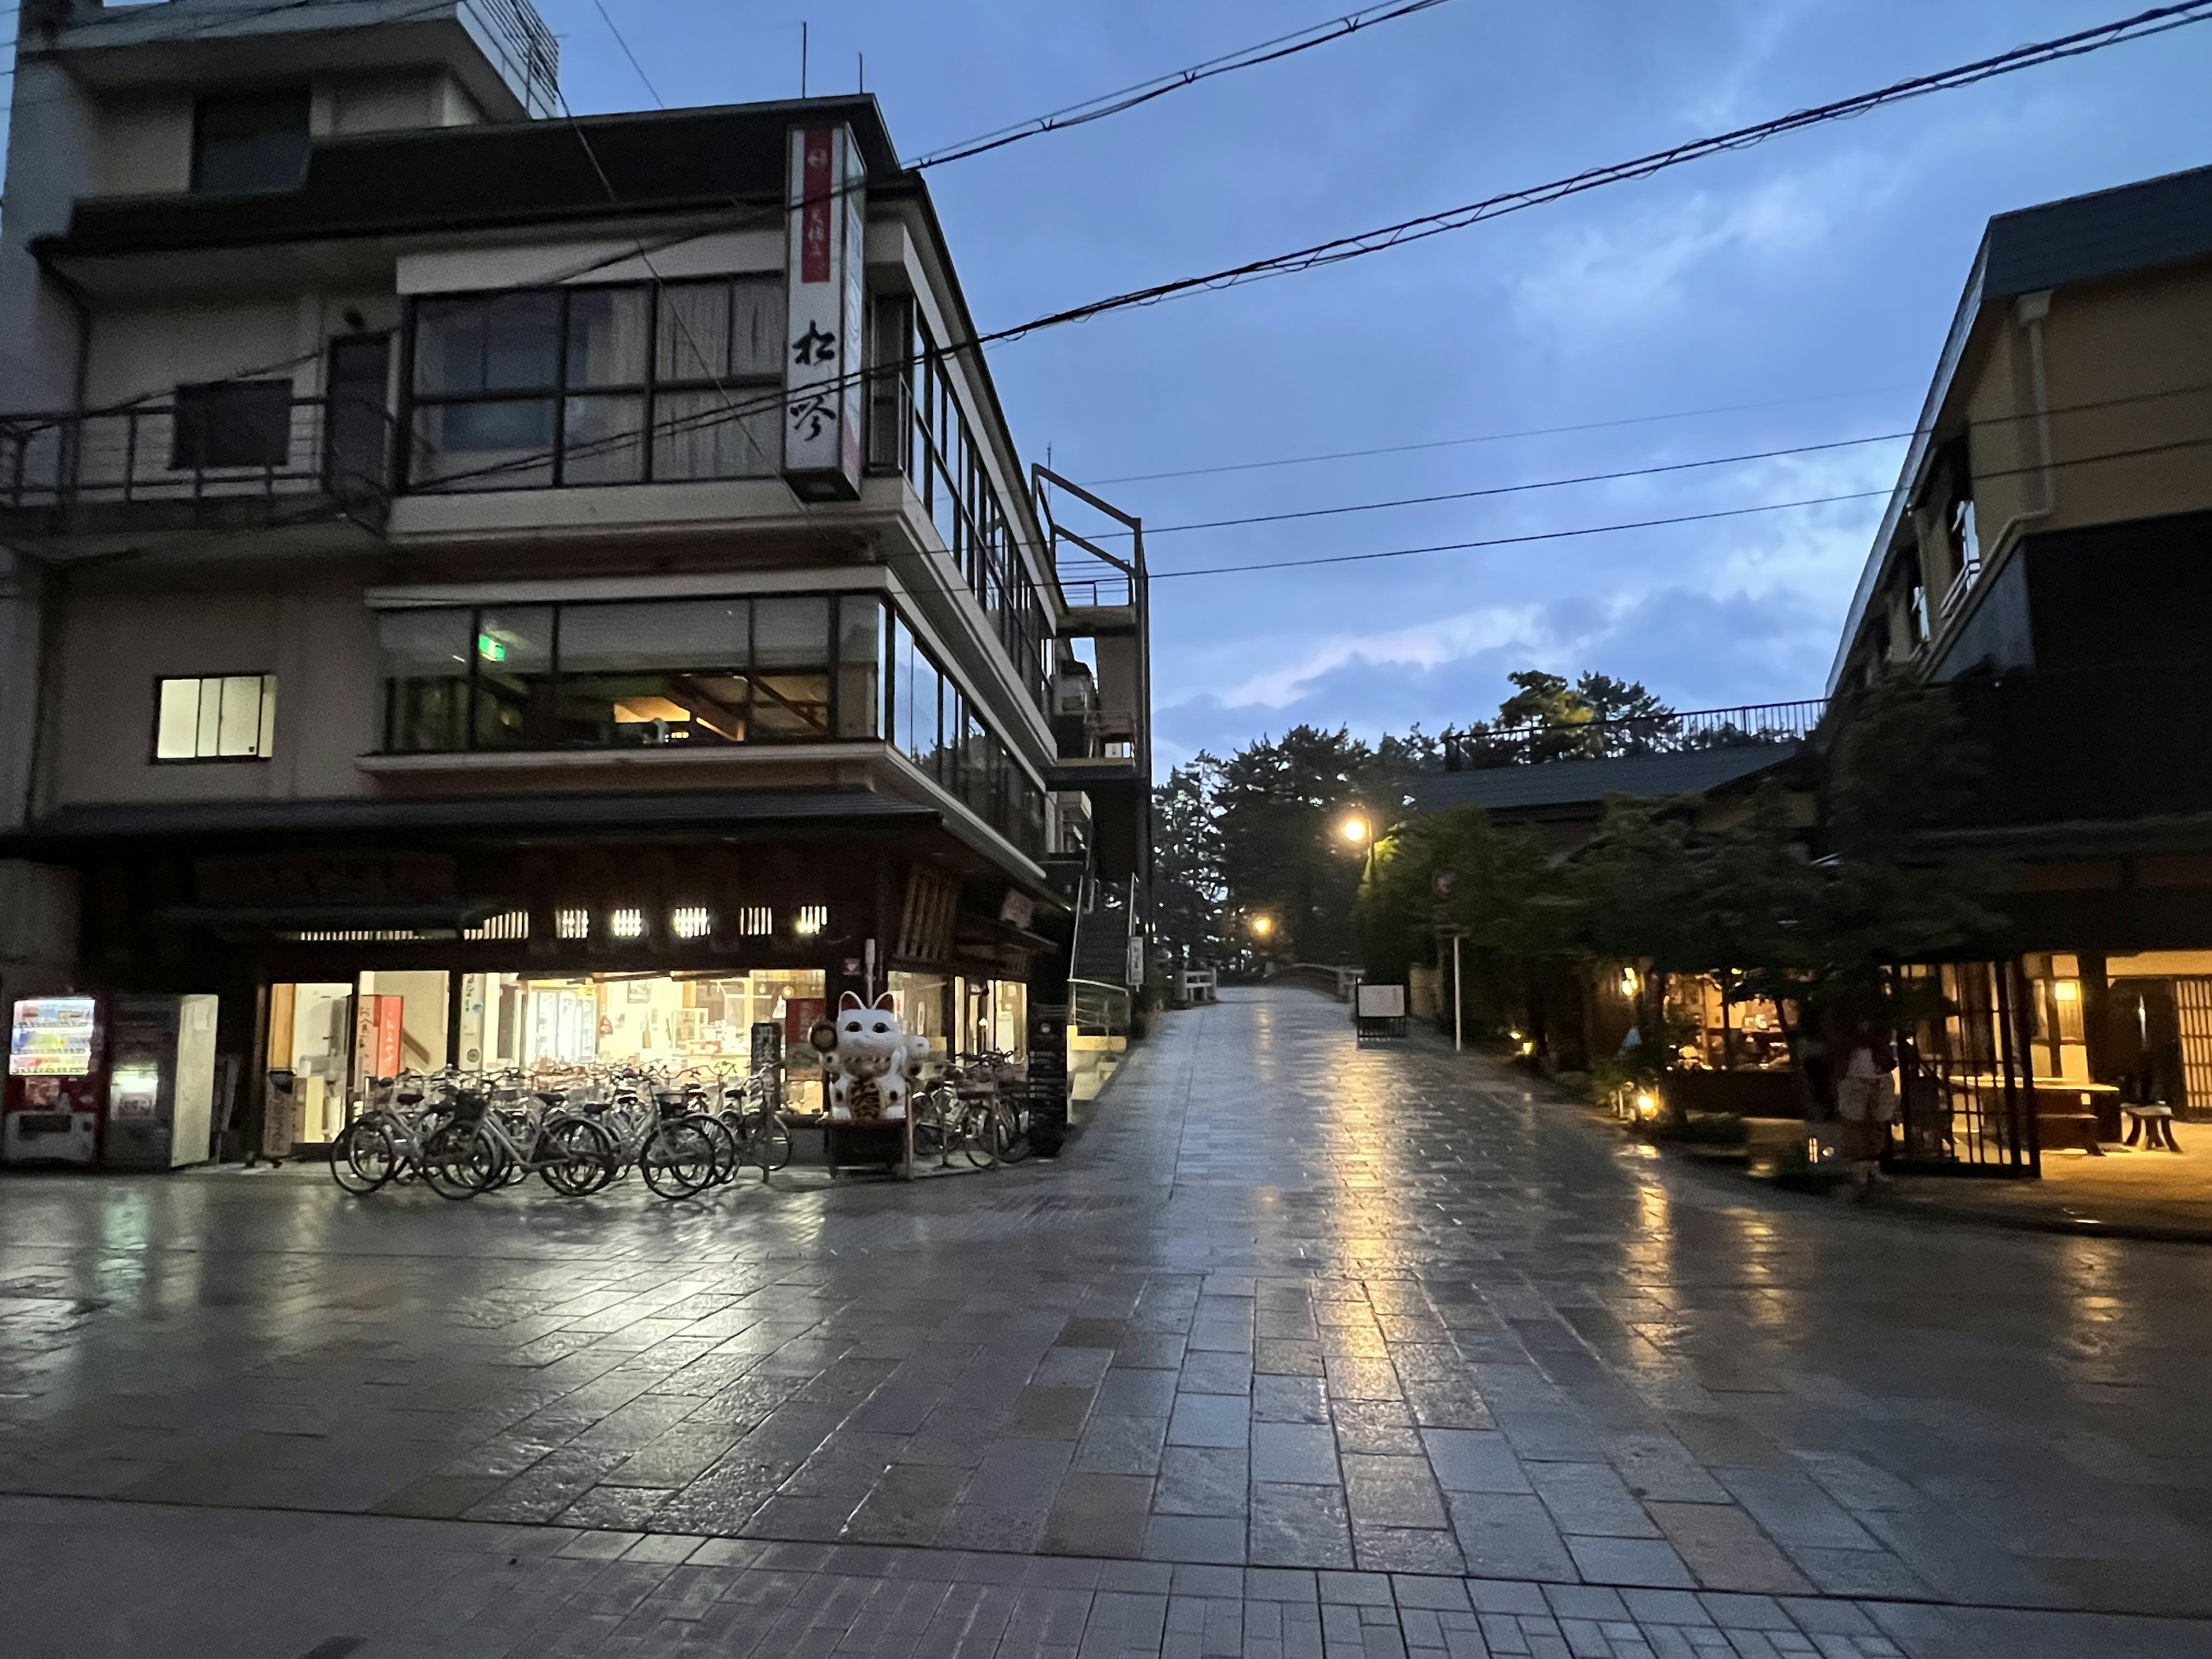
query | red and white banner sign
[823, 347]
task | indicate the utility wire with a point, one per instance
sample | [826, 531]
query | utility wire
[1662, 468]
[1486, 438]
[1649, 524]
[652, 91]
[2141, 26]
[1143, 92]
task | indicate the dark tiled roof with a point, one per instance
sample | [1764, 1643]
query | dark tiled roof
[2133, 227]
[1588, 782]
[516, 173]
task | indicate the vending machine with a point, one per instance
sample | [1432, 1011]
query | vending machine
[161, 1081]
[56, 1073]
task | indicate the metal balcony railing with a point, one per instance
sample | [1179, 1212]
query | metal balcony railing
[1672, 732]
[226, 445]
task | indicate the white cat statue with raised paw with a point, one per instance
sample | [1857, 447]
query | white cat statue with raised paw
[873, 1065]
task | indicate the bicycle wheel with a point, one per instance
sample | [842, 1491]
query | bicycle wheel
[458, 1163]
[676, 1159]
[363, 1158]
[984, 1135]
[1018, 1135]
[770, 1144]
[585, 1155]
[727, 1155]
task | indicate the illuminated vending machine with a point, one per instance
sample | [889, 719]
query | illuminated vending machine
[161, 1081]
[53, 1105]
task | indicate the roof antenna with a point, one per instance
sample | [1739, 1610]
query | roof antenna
[862, 58]
[802, 60]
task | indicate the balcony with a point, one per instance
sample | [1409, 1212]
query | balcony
[238, 455]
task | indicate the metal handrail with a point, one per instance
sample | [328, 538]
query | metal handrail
[176, 452]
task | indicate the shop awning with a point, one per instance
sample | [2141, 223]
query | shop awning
[628, 811]
[451, 914]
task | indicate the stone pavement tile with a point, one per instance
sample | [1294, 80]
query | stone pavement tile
[1206, 1420]
[1352, 1377]
[1126, 1393]
[1792, 1509]
[1874, 1573]
[1392, 1491]
[1099, 1515]
[1051, 1414]
[1507, 1536]
[1280, 1584]
[1286, 1357]
[1663, 1606]
[1590, 1500]
[1473, 1461]
[1658, 1466]
[1719, 1441]
[1724, 1547]
[1359, 1590]
[1555, 1435]
[1297, 1453]
[908, 1505]
[1405, 1549]
[1290, 1400]
[1216, 1371]
[1203, 1481]
[1067, 1367]
[1121, 1445]
[1300, 1526]
[1438, 1595]
[1195, 1538]
[1648, 1562]
[1380, 1428]
[1856, 1484]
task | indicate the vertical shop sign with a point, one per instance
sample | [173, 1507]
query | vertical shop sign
[826, 266]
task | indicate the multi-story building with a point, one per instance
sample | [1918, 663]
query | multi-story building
[566, 576]
[2047, 554]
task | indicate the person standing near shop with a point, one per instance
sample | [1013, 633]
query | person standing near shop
[1863, 1064]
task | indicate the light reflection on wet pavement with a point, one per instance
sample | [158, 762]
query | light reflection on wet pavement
[1293, 1316]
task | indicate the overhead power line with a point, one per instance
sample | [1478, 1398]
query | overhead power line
[1486, 438]
[1652, 524]
[2141, 26]
[1129, 98]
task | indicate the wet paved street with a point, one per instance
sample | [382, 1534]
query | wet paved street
[1301, 1350]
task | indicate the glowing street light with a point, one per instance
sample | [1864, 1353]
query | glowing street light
[1353, 830]
[1263, 926]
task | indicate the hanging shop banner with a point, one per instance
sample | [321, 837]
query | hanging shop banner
[827, 264]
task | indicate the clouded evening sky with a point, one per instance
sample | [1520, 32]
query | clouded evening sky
[1815, 274]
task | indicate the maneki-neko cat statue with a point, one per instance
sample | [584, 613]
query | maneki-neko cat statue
[870, 1069]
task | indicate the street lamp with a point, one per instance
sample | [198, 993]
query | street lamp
[1355, 829]
[1263, 926]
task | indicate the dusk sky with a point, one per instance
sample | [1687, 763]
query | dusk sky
[1812, 276]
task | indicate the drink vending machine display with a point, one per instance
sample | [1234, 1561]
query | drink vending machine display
[127, 1082]
[161, 1082]
[57, 1078]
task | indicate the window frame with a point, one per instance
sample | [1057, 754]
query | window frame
[560, 390]
[300, 94]
[263, 734]
[831, 666]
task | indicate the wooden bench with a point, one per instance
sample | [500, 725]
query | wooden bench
[2154, 1123]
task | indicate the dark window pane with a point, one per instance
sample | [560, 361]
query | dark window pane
[606, 336]
[791, 633]
[720, 331]
[603, 441]
[250, 141]
[514, 677]
[481, 446]
[689, 634]
[425, 668]
[736, 433]
[859, 644]
[232, 423]
[508, 343]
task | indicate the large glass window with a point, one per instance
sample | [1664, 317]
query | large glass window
[514, 676]
[653, 673]
[426, 678]
[788, 667]
[935, 726]
[561, 386]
